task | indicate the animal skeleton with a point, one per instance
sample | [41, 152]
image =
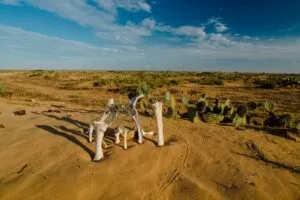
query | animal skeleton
[127, 134]
[109, 116]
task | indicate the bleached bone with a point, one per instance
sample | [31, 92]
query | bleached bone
[91, 130]
[158, 112]
[109, 111]
[100, 128]
[135, 115]
[125, 132]
[147, 133]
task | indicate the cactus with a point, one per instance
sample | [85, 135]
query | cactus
[144, 89]
[185, 100]
[284, 121]
[240, 121]
[212, 118]
[226, 109]
[145, 102]
[191, 108]
[168, 96]
[203, 97]
[169, 114]
[217, 109]
[241, 110]
[240, 118]
[201, 106]
[297, 126]
[172, 108]
[227, 102]
[251, 105]
[271, 121]
[196, 118]
[269, 106]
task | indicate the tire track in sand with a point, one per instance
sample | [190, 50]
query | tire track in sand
[170, 176]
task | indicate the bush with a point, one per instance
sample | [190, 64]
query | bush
[265, 84]
[124, 89]
[129, 81]
[2, 90]
[193, 92]
[101, 82]
[214, 81]
[206, 81]
[173, 82]
[46, 74]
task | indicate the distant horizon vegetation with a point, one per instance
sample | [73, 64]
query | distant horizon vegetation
[155, 70]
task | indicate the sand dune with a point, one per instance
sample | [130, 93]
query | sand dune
[46, 156]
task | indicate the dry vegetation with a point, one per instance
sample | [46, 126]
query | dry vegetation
[201, 161]
[94, 87]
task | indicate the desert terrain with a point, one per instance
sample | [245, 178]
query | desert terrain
[45, 153]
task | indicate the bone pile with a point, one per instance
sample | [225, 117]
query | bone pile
[110, 115]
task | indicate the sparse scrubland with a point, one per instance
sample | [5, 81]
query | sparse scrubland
[228, 135]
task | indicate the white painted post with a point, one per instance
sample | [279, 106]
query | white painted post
[158, 112]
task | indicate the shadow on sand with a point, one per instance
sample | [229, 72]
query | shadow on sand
[77, 110]
[75, 122]
[276, 131]
[71, 138]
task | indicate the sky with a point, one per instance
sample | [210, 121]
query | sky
[189, 35]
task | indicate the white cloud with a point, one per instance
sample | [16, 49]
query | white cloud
[149, 23]
[192, 46]
[213, 20]
[145, 6]
[35, 50]
[221, 27]
[220, 39]
[174, 39]
[129, 5]
[103, 22]
[190, 31]
[247, 37]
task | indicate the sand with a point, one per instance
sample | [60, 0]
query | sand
[46, 155]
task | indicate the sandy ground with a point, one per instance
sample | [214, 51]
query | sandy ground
[46, 155]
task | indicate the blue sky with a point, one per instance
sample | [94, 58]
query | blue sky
[215, 35]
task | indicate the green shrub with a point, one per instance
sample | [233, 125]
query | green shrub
[214, 81]
[206, 81]
[2, 90]
[46, 74]
[265, 84]
[173, 82]
[101, 82]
